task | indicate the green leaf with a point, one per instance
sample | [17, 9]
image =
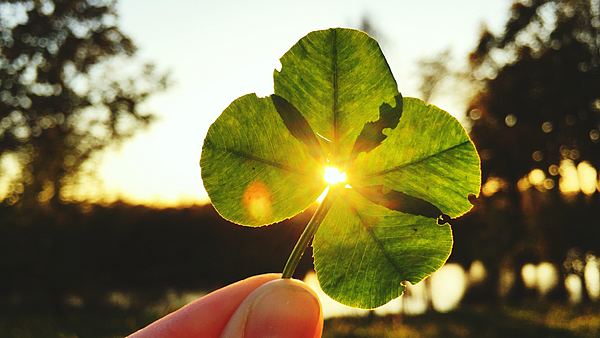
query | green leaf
[409, 165]
[425, 168]
[338, 79]
[428, 155]
[254, 170]
[363, 252]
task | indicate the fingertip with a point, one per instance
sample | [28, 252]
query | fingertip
[280, 308]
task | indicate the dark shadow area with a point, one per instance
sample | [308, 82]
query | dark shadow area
[100, 271]
[372, 133]
[399, 201]
[298, 126]
[88, 252]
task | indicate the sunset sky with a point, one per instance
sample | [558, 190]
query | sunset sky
[221, 50]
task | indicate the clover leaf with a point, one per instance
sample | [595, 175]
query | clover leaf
[393, 171]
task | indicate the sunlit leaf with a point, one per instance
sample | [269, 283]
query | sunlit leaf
[428, 155]
[405, 167]
[363, 252]
[339, 79]
[254, 170]
[386, 230]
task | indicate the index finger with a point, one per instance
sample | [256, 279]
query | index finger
[207, 316]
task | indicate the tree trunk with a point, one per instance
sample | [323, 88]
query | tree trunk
[559, 292]
[488, 290]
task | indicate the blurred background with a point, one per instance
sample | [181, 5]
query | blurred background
[105, 225]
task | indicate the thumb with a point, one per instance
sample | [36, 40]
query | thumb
[280, 308]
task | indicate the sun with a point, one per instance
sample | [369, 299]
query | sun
[333, 175]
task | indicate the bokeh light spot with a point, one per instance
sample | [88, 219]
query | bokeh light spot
[257, 200]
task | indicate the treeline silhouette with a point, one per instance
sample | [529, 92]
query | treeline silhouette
[536, 123]
[88, 251]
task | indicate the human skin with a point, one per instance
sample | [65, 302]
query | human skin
[260, 306]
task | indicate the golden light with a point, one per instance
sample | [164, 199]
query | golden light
[491, 186]
[569, 180]
[323, 195]
[536, 177]
[587, 178]
[257, 200]
[333, 175]
[528, 274]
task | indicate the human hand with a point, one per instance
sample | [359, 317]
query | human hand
[260, 306]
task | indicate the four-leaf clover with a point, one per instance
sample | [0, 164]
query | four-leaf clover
[392, 170]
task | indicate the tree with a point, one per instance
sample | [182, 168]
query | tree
[540, 102]
[69, 88]
[433, 73]
[539, 106]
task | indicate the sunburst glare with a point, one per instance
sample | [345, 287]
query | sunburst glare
[334, 176]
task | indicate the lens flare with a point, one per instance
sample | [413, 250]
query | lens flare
[333, 175]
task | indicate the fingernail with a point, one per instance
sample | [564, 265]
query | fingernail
[281, 308]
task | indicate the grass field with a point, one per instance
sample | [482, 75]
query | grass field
[476, 321]
[473, 321]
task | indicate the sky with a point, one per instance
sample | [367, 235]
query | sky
[218, 51]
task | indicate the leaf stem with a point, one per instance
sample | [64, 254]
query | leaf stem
[307, 235]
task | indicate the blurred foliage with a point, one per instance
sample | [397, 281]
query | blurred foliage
[69, 88]
[433, 73]
[538, 108]
[540, 102]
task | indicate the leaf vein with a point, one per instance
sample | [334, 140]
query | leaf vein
[256, 158]
[377, 241]
[335, 90]
[423, 159]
